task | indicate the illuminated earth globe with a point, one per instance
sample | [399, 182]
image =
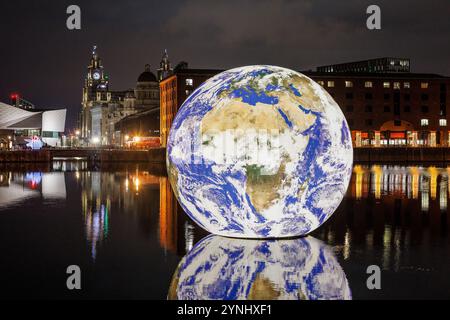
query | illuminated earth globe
[220, 268]
[259, 152]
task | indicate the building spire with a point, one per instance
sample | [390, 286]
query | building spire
[165, 59]
[164, 66]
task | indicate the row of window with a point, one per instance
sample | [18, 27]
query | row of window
[423, 122]
[387, 96]
[369, 84]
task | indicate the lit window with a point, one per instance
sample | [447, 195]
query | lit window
[330, 84]
[396, 85]
[406, 85]
[321, 83]
[348, 84]
[189, 82]
[424, 85]
[368, 84]
[443, 122]
[424, 122]
[386, 85]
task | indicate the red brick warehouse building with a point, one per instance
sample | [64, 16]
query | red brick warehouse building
[173, 92]
[384, 103]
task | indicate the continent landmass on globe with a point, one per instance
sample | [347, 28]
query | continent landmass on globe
[259, 151]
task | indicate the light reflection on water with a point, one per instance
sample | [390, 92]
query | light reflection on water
[126, 219]
[403, 182]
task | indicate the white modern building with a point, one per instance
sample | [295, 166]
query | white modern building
[46, 124]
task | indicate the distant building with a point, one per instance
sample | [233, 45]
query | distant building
[384, 109]
[145, 123]
[146, 92]
[378, 65]
[383, 104]
[173, 92]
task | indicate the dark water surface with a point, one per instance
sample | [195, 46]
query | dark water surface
[123, 227]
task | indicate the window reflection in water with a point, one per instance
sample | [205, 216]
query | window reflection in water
[401, 182]
[392, 216]
[220, 268]
[96, 207]
[388, 211]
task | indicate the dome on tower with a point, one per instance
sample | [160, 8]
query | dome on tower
[147, 75]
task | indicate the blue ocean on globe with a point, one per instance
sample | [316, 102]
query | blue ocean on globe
[220, 268]
[259, 152]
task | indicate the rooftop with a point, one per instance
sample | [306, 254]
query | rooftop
[395, 75]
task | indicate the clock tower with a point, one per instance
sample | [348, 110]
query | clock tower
[95, 93]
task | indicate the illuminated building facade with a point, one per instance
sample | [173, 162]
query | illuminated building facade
[102, 108]
[95, 93]
[391, 109]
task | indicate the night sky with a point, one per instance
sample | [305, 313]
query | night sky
[46, 63]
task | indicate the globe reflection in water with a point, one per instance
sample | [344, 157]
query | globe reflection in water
[219, 268]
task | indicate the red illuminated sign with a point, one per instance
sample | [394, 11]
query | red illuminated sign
[397, 135]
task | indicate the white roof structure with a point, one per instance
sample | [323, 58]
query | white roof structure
[13, 118]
